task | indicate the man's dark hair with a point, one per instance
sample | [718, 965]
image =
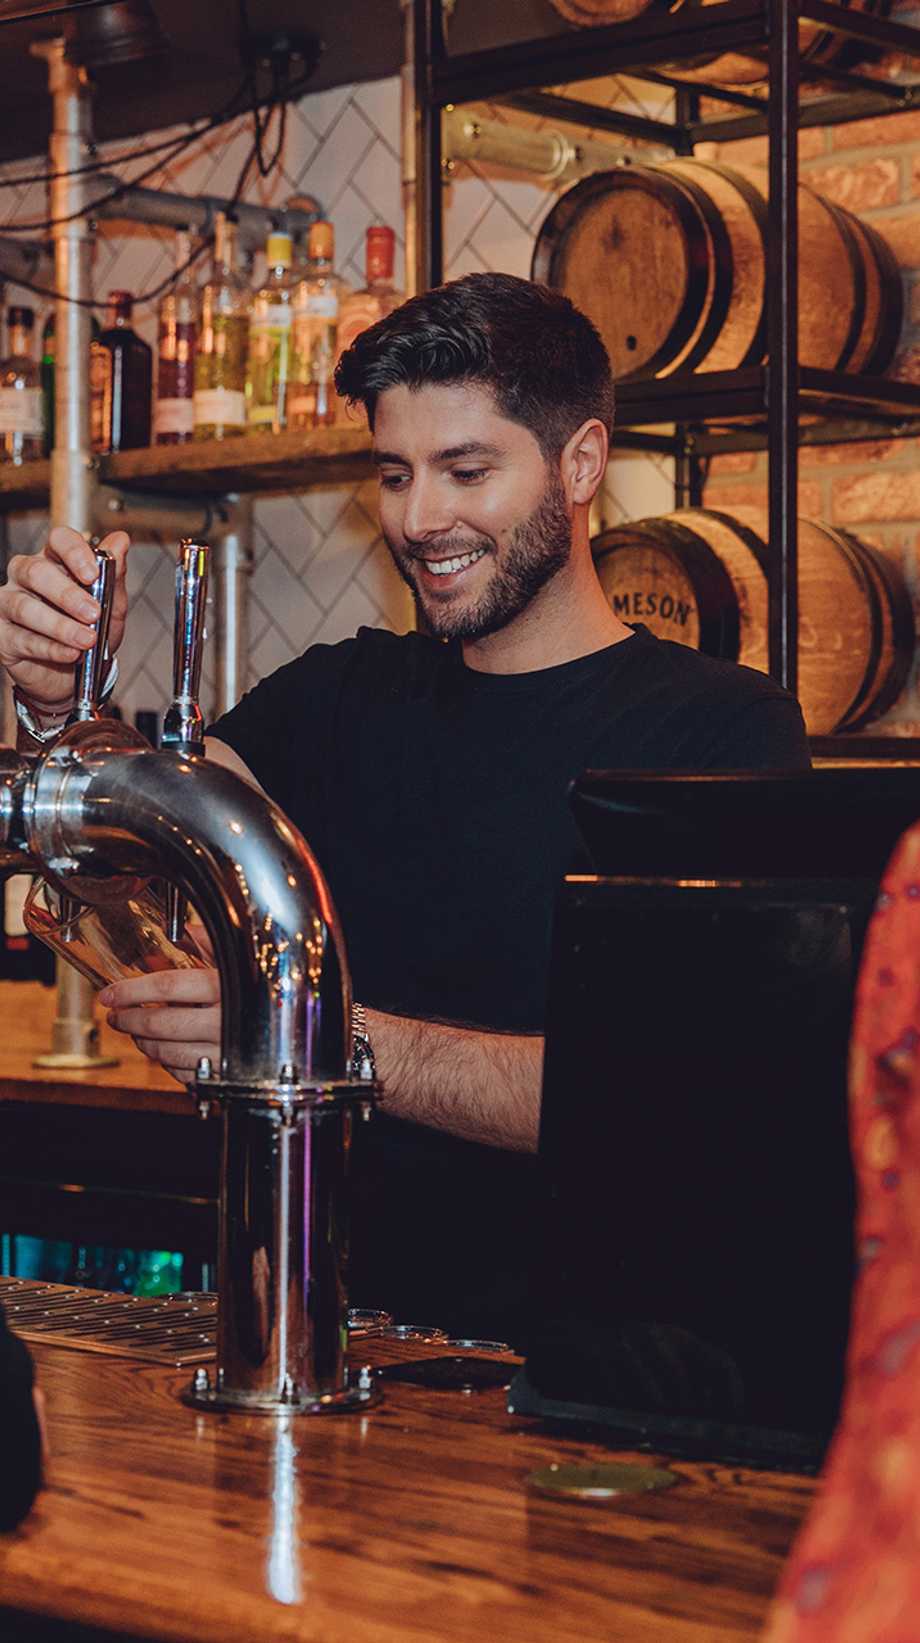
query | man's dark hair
[540, 356]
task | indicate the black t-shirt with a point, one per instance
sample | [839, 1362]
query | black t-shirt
[435, 799]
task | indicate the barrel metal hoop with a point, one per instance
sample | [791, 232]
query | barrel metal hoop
[890, 321]
[903, 638]
[842, 222]
[722, 269]
[757, 205]
[855, 552]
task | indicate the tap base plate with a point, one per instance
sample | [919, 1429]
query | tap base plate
[349, 1399]
[70, 1061]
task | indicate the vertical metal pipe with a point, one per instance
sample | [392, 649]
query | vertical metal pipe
[74, 1034]
[783, 339]
[408, 109]
[429, 49]
[231, 571]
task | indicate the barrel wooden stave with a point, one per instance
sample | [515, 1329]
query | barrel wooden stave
[855, 630]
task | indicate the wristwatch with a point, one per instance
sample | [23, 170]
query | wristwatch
[363, 1066]
[26, 715]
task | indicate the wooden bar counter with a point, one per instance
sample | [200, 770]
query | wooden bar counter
[412, 1520]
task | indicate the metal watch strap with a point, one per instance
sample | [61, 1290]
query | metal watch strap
[47, 733]
[363, 1065]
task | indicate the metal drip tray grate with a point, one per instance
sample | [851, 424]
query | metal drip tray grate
[172, 1329]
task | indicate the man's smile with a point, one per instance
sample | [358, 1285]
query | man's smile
[454, 566]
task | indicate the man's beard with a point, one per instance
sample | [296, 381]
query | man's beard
[539, 547]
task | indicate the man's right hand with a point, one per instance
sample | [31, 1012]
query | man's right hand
[47, 615]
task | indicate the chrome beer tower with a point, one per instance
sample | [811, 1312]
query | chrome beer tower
[101, 810]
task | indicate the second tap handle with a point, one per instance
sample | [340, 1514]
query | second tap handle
[183, 726]
[90, 670]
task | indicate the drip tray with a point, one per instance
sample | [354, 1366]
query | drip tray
[171, 1329]
[166, 1329]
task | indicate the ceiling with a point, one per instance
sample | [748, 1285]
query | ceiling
[203, 66]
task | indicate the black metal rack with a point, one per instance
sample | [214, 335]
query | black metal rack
[704, 406]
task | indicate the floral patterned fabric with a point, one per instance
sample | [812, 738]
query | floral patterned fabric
[854, 1573]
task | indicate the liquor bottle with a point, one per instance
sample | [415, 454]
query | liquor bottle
[48, 376]
[21, 437]
[177, 331]
[270, 336]
[121, 372]
[223, 338]
[317, 302]
[379, 296]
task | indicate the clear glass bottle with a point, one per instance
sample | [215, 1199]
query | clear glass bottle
[48, 377]
[379, 296]
[121, 380]
[270, 339]
[223, 340]
[177, 334]
[21, 432]
[317, 303]
[361, 309]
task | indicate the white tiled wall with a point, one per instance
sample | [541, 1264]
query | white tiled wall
[320, 566]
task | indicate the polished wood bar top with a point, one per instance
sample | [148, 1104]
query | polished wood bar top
[26, 1012]
[409, 1521]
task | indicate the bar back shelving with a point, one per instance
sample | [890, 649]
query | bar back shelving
[706, 409]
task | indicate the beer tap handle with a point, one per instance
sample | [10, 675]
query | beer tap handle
[183, 726]
[90, 670]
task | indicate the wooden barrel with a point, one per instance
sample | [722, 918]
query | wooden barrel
[670, 263]
[700, 577]
[817, 44]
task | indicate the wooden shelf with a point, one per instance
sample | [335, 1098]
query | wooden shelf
[252, 462]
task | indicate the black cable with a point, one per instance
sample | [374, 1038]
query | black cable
[104, 164]
[87, 210]
[181, 143]
[94, 302]
[283, 89]
[152, 295]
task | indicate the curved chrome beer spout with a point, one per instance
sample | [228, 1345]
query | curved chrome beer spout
[103, 803]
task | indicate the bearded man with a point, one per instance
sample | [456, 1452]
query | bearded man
[429, 772]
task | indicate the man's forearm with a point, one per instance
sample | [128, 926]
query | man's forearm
[478, 1085]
